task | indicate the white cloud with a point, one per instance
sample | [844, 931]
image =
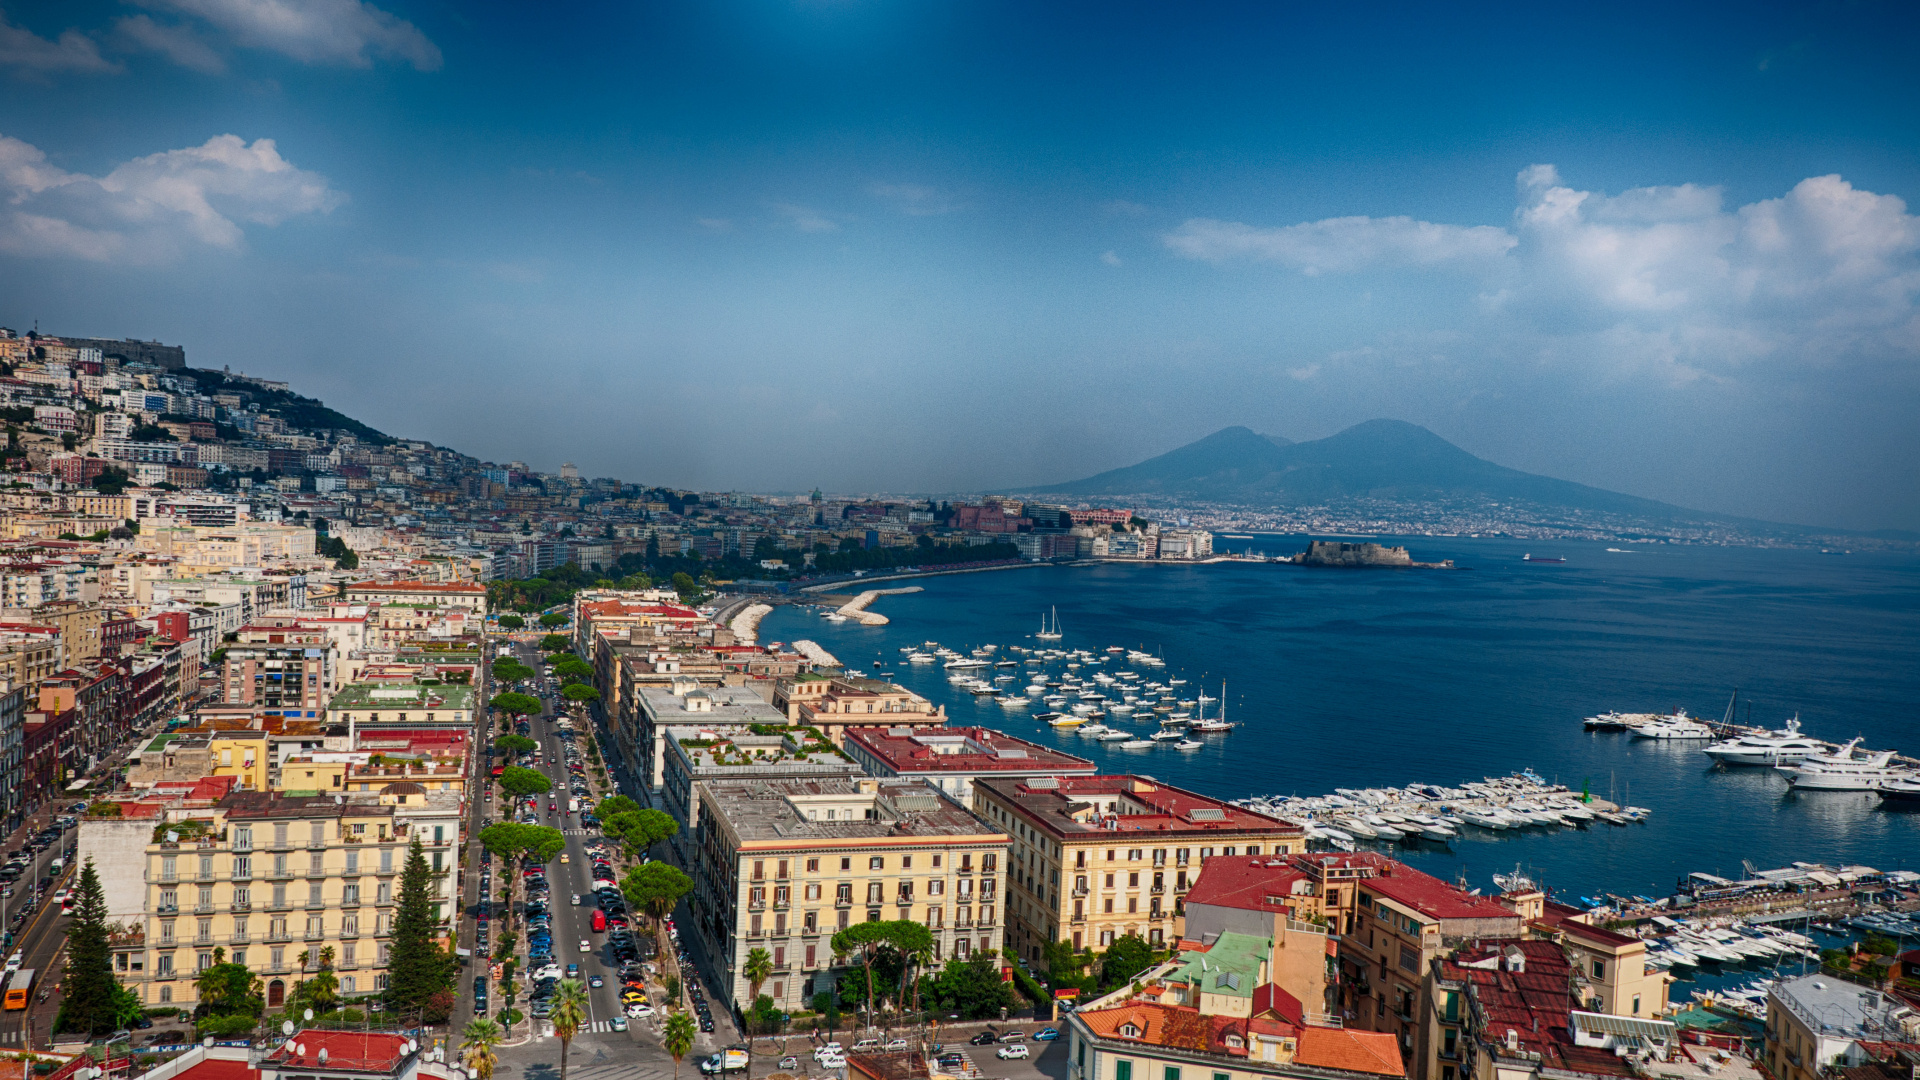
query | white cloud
[915, 199]
[1341, 245]
[1656, 279]
[177, 43]
[805, 218]
[154, 208]
[1110, 258]
[348, 32]
[32, 56]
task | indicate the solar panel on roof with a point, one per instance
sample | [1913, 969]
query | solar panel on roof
[1208, 813]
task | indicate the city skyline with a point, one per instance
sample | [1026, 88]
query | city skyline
[963, 248]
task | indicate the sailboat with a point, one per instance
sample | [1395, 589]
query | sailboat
[1218, 723]
[1050, 632]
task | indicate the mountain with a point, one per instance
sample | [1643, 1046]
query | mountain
[1380, 459]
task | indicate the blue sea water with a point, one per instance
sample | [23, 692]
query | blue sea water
[1359, 678]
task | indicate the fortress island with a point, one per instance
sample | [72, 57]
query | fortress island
[1336, 553]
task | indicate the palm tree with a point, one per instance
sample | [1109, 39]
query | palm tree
[479, 1043]
[758, 969]
[679, 1040]
[569, 1015]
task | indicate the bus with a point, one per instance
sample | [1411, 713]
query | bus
[20, 989]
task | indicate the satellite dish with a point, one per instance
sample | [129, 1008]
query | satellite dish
[323, 1055]
[286, 1027]
[309, 1014]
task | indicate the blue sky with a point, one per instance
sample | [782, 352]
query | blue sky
[940, 246]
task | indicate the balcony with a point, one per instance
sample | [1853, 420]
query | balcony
[203, 939]
[239, 939]
[203, 909]
[168, 878]
[843, 902]
[316, 935]
[277, 935]
[240, 905]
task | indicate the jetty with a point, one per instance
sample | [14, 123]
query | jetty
[856, 608]
[746, 624]
[815, 654]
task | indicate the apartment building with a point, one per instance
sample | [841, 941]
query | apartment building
[450, 594]
[1210, 1014]
[29, 654]
[282, 666]
[834, 703]
[269, 877]
[950, 758]
[1095, 858]
[1509, 1010]
[739, 752]
[1612, 972]
[374, 707]
[681, 708]
[785, 864]
[1816, 1023]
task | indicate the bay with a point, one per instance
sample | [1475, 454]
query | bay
[1360, 678]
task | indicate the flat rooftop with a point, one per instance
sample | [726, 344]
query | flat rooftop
[402, 696]
[801, 811]
[962, 749]
[1074, 806]
[708, 705]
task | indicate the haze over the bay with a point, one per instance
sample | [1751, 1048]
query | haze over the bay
[1668, 251]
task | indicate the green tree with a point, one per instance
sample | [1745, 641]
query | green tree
[579, 692]
[480, 1047]
[521, 783]
[653, 548]
[515, 744]
[570, 666]
[1125, 958]
[569, 1015]
[973, 987]
[655, 888]
[637, 830]
[87, 996]
[512, 622]
[680, 1034]
[684, 584]
[553, 618]
[319, 991]
[228, 990]
[618, 804]
[1066, 966]
[758, 969]
[515, 704]
[555, 643]
[417, 968]
[510, 670]
[868, 938]
[512, 841]
[510, 1016]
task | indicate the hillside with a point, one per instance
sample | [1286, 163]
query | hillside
[1379, 459]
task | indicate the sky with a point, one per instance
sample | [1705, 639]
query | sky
[927, 245]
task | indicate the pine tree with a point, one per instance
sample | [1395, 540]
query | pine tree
[86, 1004]
[417, 967]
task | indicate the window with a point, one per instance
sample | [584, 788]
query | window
[989, 863]
[353, 862]
[1133, 881]
[874, 892]
[936, 862]
[782, 869]
[846, 864]
[1133, 854]
[878, 862]
[243, 838]
[1636, 1004]
[759, 870]
[1172, 1073]
[1123, 1070]
[163, 966]
[813, 866]
[1109, 881]
[1600, 970]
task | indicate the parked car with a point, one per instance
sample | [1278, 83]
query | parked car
[1047, 1034]
[1012, 1053]
[985, 1038]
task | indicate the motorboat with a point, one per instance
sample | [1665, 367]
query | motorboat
[1772, 748]
[1842, 771]
[959, 662]
[1677, 726]
[1067, 720]
[1167, 735]
[1188, 744]
[1902, 791]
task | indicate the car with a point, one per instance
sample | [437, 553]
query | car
[541, 1008]
[143, 1023]
[789, 1062]
[576, 899]
[985, 1038]
[564, 858]
[639, 1010]
[833, 1061]
[896, 1044]
[586, 946]
[549, 971]
[828, 1048]
[866, 1046]
[596, 981]
[1012, 1053]
[1047, 1034]
[573, 971]
[706, 1024]
[1013, 1036]
[951, 1061]
[630, 996]
[618, 1023]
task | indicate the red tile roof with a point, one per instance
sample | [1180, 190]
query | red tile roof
[1349, 1050]
[911, 752]
[1431, 896]
[218, 1069]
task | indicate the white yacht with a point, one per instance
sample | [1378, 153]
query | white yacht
[1841, 771]
[1786, 747]
[959, 662]
[1677, 726]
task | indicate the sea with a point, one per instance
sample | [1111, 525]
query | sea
[1384, 677]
